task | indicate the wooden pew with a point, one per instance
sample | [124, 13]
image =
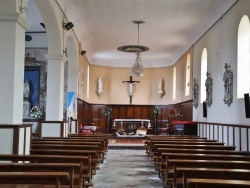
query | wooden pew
[71, 168]
[90, 153]
[100, 148]
[180, 164]
[83, 173]
[213, 173]
[157, 156]
[207, 183]
[104, 141]
[42, 178]
[154, 145]
[148, 142]
[166, 166]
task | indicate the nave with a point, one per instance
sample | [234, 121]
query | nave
[124, 168]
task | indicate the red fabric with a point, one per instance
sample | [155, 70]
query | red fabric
[183, 122]
[86, 132]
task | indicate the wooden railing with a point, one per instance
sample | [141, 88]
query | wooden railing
[230, 134]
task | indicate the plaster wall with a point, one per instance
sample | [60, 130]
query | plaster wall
[221, 44]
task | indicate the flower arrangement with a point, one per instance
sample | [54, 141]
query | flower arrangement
[157, 111]
[35, 112]
[107, 112]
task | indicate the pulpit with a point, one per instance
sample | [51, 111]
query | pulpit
[184, 127]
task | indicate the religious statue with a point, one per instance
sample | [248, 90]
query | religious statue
[26, 103]
[100, 86]
[26, 91]
[228, 85]
[159, 86]
[195, 93]
[209, 84]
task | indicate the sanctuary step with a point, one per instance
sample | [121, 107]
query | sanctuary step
[126, 143]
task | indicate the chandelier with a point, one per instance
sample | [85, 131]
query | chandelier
[137, 68]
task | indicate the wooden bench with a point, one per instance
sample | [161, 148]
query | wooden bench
[148, 144]
[83, 173]
[180, 166]
[80, 139]
[152, 150]
[97, 158]
[90, 153]
[166, 166]
[157, 155]
[95, 144]
[208, 183]
[71, 168]
[42, 178]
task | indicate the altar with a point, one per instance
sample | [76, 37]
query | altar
[131, 125]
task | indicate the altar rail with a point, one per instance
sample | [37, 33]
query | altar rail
[230, 134]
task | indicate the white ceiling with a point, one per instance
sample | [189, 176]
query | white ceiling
[171, 28]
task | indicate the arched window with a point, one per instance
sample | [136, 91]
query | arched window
[174, 83]
[243, 57]
[203, 74]
[187, 86]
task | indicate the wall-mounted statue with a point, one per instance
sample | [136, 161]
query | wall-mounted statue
[160, 90]
[100, 86]
[195, 93]
[26, 103]
[209, 89]
[228, 85]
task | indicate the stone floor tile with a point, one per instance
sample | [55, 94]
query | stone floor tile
[126, 168]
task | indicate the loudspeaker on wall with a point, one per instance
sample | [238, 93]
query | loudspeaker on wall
[204, 109]
[247, 105]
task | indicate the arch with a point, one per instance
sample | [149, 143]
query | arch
[174, 83]
[188, 72]
[53, 25]
[203, 75]
[243, 61]
[72, 54]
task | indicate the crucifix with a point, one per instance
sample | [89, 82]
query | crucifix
[131, 83]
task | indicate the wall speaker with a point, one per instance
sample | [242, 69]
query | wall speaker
[247, 105]
[204, 109]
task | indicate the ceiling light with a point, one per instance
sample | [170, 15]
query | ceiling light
[137, 68]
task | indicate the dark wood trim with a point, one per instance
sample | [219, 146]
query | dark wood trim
[15, 140]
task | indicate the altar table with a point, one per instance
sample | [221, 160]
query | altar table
[132, 120]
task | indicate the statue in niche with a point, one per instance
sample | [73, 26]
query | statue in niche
[228, 85]
[195, 93]
[159, 86]
[209, 85]
[100, 86]
[26, 91]
[26, 103]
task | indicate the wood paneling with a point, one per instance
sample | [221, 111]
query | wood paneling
[92, 113]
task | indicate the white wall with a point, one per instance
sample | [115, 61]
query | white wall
[221, 44]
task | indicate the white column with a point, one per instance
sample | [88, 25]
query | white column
[55, 87]
[12, 40]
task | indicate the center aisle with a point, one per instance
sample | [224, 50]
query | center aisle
[125, 168]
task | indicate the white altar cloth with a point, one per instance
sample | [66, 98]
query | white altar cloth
[88, 127]
[132, 120]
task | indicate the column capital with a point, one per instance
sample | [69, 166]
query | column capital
[58, 57]
[7, 16]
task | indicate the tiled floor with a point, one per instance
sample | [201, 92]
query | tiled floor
[126, 168]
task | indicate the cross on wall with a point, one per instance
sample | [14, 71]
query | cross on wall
[131, 83]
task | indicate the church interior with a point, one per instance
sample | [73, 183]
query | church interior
[120, 85]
